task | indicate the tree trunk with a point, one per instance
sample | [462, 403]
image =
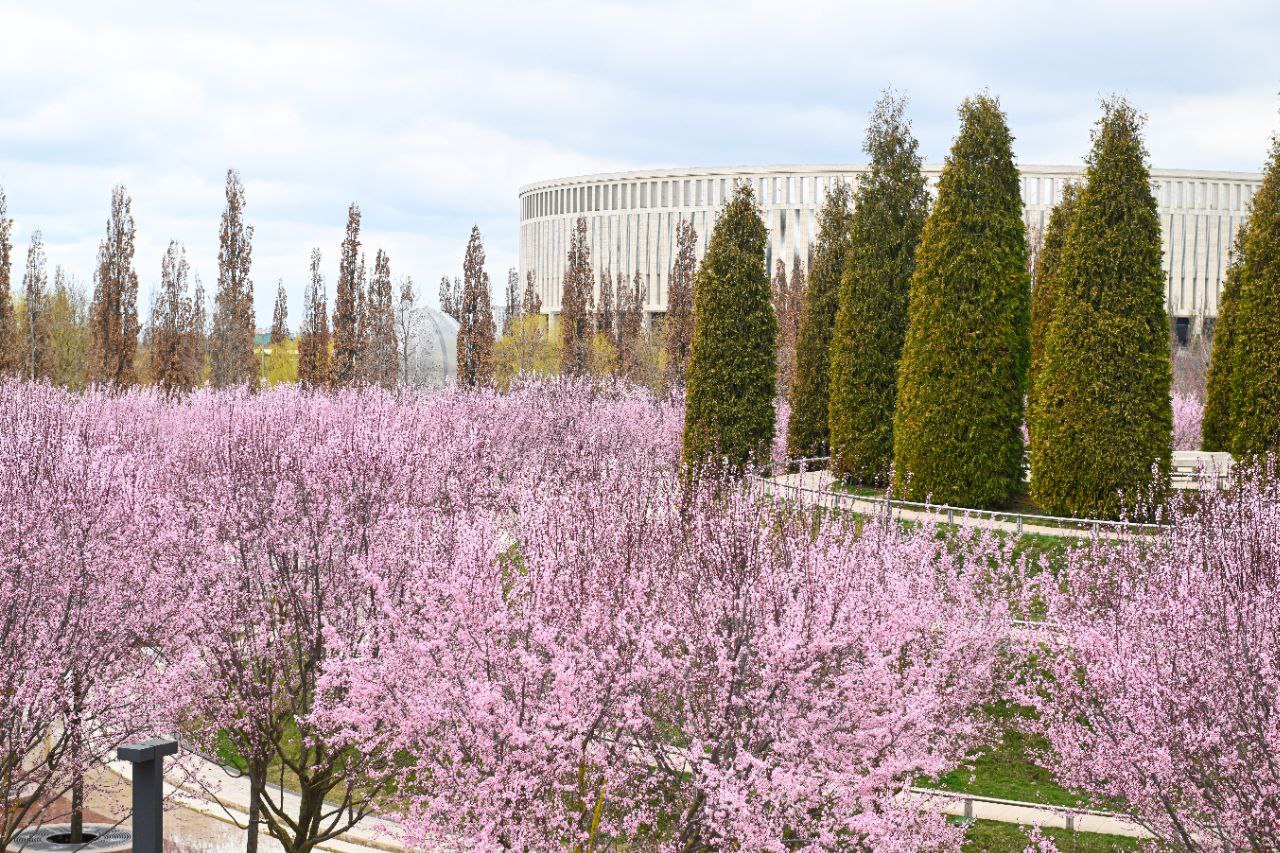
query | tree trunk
[256, 783]
[77, 809]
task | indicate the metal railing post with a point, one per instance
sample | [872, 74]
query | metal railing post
[147, 757]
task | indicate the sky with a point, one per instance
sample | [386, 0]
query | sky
[431, 115]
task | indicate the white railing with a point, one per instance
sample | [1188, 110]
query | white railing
[1055, 525]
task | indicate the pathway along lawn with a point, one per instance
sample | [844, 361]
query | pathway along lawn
[1006, 770]
[989, 836]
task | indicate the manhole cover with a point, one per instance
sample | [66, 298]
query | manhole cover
[50, 837]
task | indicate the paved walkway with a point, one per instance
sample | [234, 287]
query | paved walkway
[818, 488]
[209, 792]
[1027, 814]
[208, 810]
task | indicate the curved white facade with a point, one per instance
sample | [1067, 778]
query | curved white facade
[631, 217]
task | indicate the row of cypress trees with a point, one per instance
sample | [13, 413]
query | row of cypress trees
[920, 345]
[1242, 405]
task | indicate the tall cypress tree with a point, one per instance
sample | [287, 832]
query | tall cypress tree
[1103, 417]
[346, 306]
[1045, 287]
[234, 361]
[729, 413]
[1255, 368]
[807, 428]
[890, 207]
[1218, 426]
[8, 319]
[957, 427]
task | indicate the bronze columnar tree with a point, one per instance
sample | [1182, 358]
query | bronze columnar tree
[476, 329]
[346, 306]
[313, 336]
[171, 338]
[380, 353]
[531, 302]
[788, 304]
[37, 352]
[576, 304]
[113, 316]
[8, 319]
[511, 311]
[677, 326]
[280, 316]
[630, 329]
[231, 345]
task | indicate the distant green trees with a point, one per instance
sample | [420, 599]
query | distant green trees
[1242, 412]
[729, 410]
[957, 426]
[1102, 418]
[890, 207]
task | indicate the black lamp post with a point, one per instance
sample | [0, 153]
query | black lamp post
[147, 757]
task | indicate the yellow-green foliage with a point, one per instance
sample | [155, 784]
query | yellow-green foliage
[602, 357]
[527, 347]
[957, 428]
[280, 364]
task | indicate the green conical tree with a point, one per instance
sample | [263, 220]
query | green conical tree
[807, 426]
[890, 208]
[957, 426]
[1255, 363]
[729, 411]
[1044, 288]
[1103, 418]
[1217, 426]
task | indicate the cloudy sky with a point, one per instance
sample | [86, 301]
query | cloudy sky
[432, 115]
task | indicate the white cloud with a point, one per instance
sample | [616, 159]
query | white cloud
[431, 115]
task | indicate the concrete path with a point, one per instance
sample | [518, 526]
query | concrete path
[1027, 814]
[204, 789]
[818, 488]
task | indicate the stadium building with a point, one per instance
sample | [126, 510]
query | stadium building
[631, 220]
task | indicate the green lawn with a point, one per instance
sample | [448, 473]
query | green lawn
[1007, 770]
[993, 837]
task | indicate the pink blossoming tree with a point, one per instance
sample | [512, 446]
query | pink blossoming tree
[1158, 690]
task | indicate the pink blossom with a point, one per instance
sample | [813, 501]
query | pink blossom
[1188, 415]
[1156, 693]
